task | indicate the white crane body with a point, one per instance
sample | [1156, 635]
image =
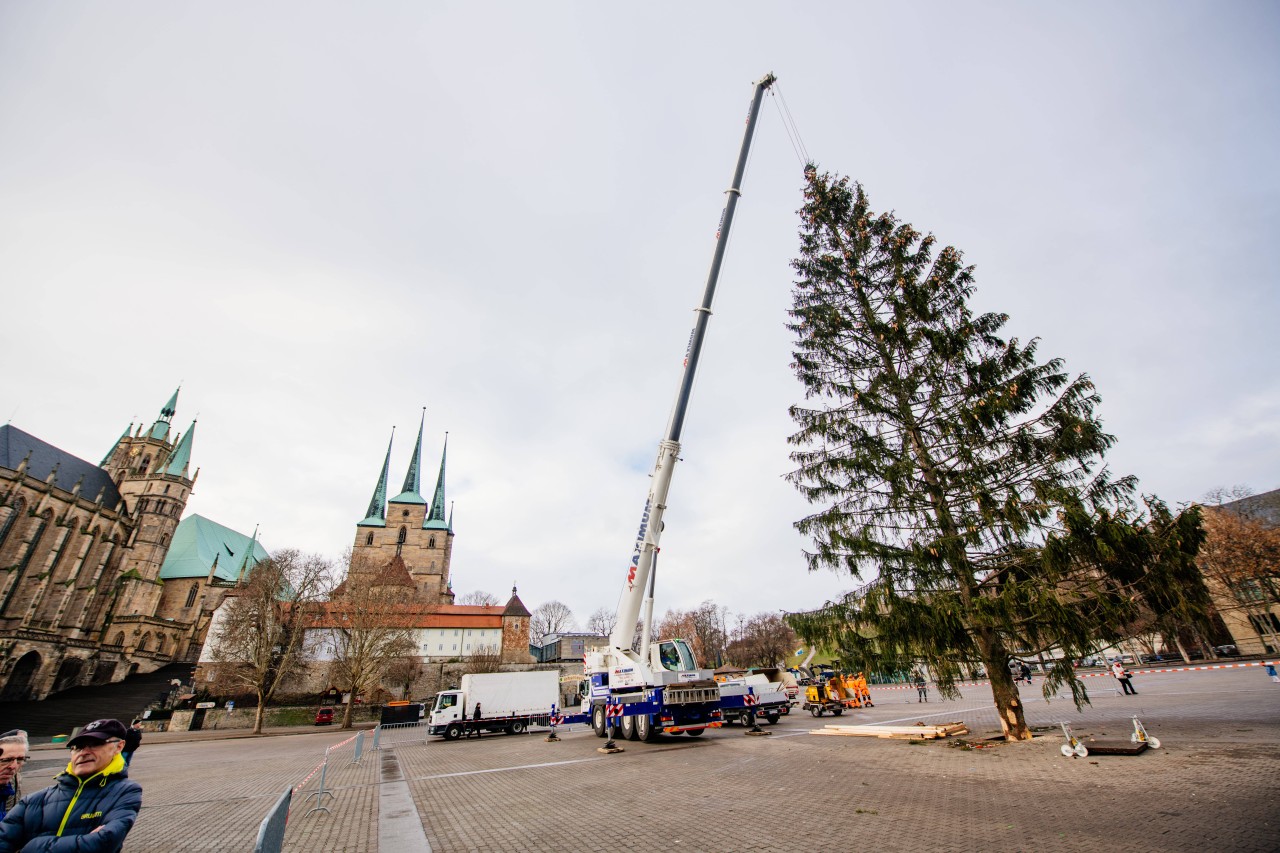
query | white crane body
[661, 688]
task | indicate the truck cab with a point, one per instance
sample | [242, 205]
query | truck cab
[446, 709]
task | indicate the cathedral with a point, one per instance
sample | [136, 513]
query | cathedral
[100, 576]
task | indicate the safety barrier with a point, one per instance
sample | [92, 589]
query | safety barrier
[1107, 672]
[395, 734]
[271, 830]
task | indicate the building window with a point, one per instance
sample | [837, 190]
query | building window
[431, 543]
[440, 647]
[400, 538]
[368, 540]
[191, 594]
[166, 489]
[6, 521]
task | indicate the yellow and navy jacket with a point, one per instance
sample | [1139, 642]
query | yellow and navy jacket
[63, 816]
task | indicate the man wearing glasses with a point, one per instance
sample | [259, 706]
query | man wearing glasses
[13, 754]
[91, 806]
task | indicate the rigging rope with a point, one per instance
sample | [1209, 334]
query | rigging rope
[789, 124]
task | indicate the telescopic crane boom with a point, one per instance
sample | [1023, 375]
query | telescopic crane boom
[637, 575]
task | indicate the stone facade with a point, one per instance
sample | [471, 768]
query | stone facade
[81, 550]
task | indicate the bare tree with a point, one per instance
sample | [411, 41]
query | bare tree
[401, 673]
[1240, 560]
[553, 617]
[482, 659]
[367, 629]
[764, 640]
[259, 640]
[602, 621]
[479, 597]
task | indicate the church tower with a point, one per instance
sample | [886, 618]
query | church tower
[151, 469]
[408, 529]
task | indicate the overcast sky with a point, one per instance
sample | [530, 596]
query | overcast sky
[319, 218]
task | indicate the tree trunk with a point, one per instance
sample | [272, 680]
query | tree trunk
[1182, 650]
[346, 709]
[259, 715]
[1013, 720]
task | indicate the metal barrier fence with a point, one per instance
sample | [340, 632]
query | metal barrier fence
[271, 830]
[395, 734]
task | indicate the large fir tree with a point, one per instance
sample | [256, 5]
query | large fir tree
[960, 474]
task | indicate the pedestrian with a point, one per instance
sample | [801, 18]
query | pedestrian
[90, 807]
[475, 721]
[1123, 675]
[922, 688]
[1025, 672]
[1271, 671]
[132, 740]
[13, 754]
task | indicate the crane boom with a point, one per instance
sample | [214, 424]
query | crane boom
[638, 571]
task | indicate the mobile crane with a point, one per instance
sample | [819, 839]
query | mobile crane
[660, 688]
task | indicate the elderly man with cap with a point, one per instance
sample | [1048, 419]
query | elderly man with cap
[90, 807]
[13, 754]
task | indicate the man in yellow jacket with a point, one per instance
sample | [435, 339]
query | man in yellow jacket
[91, 806]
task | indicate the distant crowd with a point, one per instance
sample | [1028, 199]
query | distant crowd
[91, 805]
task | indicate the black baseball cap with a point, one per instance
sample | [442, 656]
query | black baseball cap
[100, 731]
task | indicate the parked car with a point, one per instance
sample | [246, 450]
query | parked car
[1229, 651]
[324, 717]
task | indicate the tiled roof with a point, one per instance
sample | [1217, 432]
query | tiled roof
[16, 444]
[199, 542]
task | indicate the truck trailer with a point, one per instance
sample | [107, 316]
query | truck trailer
[507, 702]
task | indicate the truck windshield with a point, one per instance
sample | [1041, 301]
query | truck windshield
[446, 700]
[676, 657]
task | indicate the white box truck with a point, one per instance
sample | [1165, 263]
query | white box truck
[496, 702]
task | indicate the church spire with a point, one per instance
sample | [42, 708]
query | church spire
[435, 518]
[181, 458]
[411, 493]
[249, 561]
[160, 429]
[116, 446]
[377, 515]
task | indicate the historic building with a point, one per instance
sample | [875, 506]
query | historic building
[403, 547]
[99, 575]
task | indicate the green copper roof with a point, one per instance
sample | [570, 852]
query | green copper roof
[199, 545]
[435, 518]
[377, 514]
[181, 458]
[411, 492]
[160, 429]
[112, 451]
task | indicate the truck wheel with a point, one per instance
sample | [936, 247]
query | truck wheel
[516, 728]
[748, 719]
[644, 728]
[837, 711]
[453, 731]
[629, 728]
[816, 710]
[694, 732]
[597, 720]
[773, 718]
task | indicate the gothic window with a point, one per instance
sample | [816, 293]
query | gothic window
[142, 468]
[164, 540]
[431, 542]
[368, 540]
[166, 489]
[160, 646]
[400, 539]
[119, 640]
[191, 594]
[6, 521]
[144, 642]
